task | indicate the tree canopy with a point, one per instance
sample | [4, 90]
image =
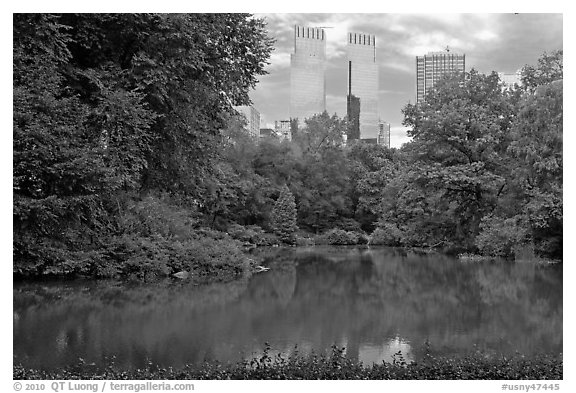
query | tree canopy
[106, 104]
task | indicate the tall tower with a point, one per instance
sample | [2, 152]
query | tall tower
[307, 69]
[384, 134]
[432, 67]
[363, 81]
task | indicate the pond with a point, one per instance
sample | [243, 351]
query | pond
[373, 302]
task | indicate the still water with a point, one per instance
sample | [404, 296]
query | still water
[374, 302]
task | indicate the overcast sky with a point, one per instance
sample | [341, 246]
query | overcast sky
[491, 42]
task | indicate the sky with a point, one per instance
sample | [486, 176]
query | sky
[502, 42]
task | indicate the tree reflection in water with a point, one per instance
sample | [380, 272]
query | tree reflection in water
[374, 302]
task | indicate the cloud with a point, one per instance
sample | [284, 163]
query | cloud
[499, 42]
[278, 61]
[486, 35]
[398, 136]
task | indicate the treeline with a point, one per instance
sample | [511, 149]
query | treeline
[129, 159]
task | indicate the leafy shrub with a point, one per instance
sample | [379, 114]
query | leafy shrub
[158, 215]
[206, 253]
[362, 238]
[339, 237]
[500, 237]
[153, 237]
[252, 234]
[348, 224]
[304, 241]
[144, 257]
[241, 233]
[386, 235]
[333, 365]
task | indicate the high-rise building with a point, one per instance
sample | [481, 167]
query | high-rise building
[252, 117]
[307, 73]
[363, 81]
[432, 67]
[384, 134]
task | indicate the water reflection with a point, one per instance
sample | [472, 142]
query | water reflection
[371, 353]
[373, 302]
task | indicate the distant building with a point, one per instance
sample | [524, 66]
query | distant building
[307, 73]
[267, 133]
[432, 67]
[363, 82]
[510, 79]
[384, 134]
[252, 117]
[370, 141]
[282, 129]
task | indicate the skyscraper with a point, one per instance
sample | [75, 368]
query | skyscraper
[432, 67]
[307, 69]
[252, 117]
[384, 134]
[363, 81]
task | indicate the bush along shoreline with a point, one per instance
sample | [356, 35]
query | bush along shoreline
[158, 240]
[151, 238]
[335, 365]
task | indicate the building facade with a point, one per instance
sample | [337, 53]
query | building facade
[508, 80]
[363, 81]
[307, 73]
[283, 130]
[384, 134]
[252, 117]
[267, 133]
[432, 67]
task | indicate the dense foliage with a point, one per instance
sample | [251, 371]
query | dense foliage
[126, 144]
[113, 109]
[332, 366]
[283, 218]
[483, 172]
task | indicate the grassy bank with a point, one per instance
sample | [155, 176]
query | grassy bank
[333, 366]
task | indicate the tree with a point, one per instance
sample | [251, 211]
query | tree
[530, 202]
[61, 172]
[323, 182]
[372, 167]
[283, 220]
[190, 68]
[321, 131]
[537, 171]
[454, 168]
[549, 69]
[115, 106]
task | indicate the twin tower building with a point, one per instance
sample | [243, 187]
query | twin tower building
[308, 83]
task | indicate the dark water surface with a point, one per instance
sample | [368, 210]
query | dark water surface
[373, 302]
